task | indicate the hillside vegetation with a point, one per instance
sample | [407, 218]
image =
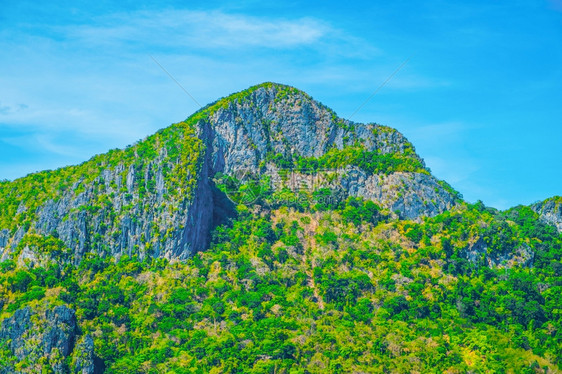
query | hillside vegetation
[341, 290]
[163, 258]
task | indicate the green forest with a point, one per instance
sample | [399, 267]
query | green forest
[316, 290]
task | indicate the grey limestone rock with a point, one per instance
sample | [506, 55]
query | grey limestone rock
[521, 256]
[84, 359]
[550, 211]
[242, 134]
[49, 336]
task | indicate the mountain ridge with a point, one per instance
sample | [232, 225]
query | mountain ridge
[267, 126]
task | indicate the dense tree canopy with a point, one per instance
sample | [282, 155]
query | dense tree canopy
[320, 290]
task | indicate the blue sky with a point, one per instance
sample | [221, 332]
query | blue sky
[480, 97]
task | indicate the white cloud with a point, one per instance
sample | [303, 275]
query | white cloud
[200, 29]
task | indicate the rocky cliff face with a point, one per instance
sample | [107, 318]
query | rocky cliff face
[550, 211]
[36, 340]
[146, 200]
[157, 198]
[283, 122]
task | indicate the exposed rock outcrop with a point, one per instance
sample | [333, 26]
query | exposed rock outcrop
[84, 360]
[43, 339]
[412, 195]
[520, 256]
[550, 211]
[244, 133]
[152, 207]
[282, 120]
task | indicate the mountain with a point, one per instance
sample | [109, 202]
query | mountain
[264, 234]
[157, 197]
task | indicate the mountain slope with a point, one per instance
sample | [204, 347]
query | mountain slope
[338, 290]
[157, 197]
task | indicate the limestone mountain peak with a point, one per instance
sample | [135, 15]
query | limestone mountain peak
[159, 197]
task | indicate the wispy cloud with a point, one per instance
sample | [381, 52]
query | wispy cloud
[201, 29]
